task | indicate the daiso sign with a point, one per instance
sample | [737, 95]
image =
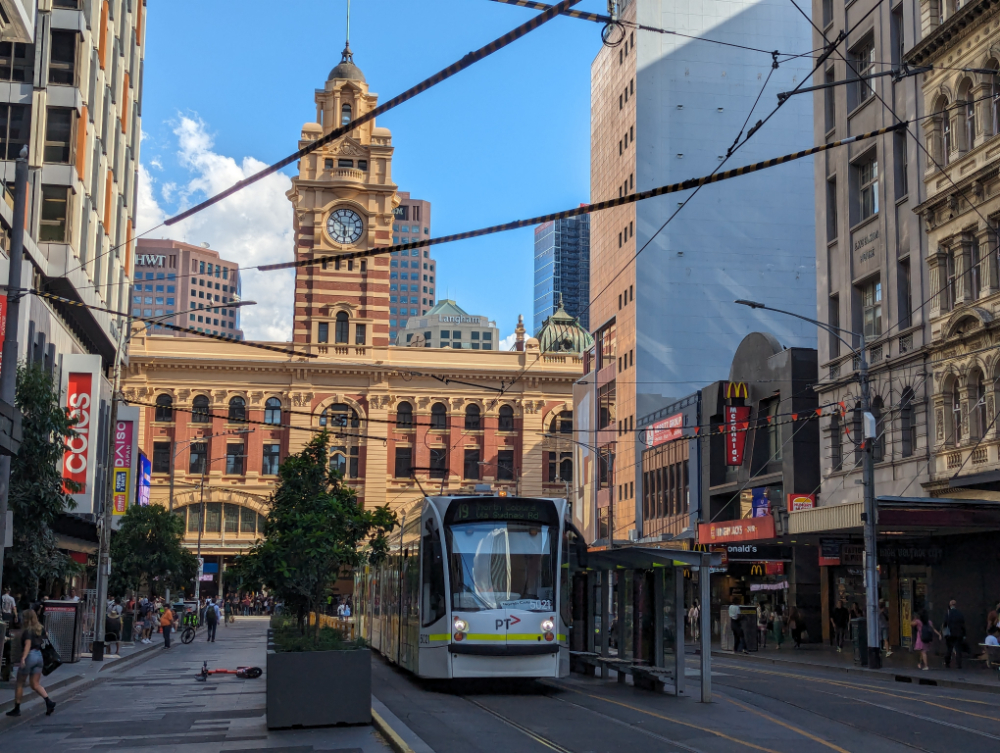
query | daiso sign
[79, 449]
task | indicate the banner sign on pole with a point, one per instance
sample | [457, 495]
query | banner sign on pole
[736, 434]
[122, 466]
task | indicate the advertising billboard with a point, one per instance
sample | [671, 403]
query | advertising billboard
[81, 397]
[144, 480]
[122, 466]
[665, 430]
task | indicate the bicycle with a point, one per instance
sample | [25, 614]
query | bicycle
[187, 634]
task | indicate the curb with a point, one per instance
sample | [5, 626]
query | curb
[394, 731]
[881, 675]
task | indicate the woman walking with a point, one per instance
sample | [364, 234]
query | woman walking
[777, 627]
[33, 635]
[795, 626]
[924, 632]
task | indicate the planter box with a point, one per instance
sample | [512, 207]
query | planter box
[319, 688]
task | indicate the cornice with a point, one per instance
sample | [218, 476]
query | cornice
[952, 32]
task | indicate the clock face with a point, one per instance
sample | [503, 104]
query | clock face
[344, 226]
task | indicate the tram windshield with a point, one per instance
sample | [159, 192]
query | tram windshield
[502, 564]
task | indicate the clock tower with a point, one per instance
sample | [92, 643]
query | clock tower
[343, 198]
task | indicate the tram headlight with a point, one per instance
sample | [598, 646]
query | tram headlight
[460, 625]
[548, 626]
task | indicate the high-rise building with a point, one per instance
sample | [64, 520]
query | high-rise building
[562, 270]
[174, 277]
[665, 109]
[448, 325]
[411, 282]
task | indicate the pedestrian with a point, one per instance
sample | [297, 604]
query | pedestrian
[166, 624]
[8, 606]
[796, 626]
[762, 626]
[883, 627]
[72, 595]
[953, 628]
[991, 639]
[33, 638]
[694, 618]
[925, 634]
[840, 619]
[736, 623]
[211, 620]
[777, 627]
[992, 619]
[228, 607]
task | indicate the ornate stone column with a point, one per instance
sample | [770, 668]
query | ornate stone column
[938, 270]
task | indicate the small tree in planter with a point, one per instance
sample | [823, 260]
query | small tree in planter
[315, 529]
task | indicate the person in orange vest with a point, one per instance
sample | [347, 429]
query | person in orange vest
[167, 624]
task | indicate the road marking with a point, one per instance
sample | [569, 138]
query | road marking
[793, 728]
[524, 730]
[671, 720]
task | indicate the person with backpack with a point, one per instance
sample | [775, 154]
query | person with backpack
[954, 634]
[34, 639]
[211, 619]
[925, 634]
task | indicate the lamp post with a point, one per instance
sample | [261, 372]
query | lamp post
[104, 559]
[870, 516]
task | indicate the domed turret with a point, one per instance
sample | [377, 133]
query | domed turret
[346, 67]
[561, 333]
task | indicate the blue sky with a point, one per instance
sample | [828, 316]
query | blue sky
[228, 85]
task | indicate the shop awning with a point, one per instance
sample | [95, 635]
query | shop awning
[647, 557]
[924, 515]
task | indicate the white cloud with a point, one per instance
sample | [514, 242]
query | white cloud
[251, 227]
[508, 342]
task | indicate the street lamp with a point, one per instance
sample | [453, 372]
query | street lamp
[870, 515]
[517, 476]
[104, 559]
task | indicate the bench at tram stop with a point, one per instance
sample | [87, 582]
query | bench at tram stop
[643, 676]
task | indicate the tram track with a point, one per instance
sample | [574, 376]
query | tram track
[550, 744]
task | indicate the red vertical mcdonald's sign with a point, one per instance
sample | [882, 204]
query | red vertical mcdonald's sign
[736, 433]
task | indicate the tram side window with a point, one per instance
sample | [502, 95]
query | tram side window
[434, 602]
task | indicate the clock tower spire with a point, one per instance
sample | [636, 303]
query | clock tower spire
[343, 198]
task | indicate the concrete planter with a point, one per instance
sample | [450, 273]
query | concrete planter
[319, 688]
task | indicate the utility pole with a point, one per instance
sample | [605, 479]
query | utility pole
[8, 369]
[869, 518]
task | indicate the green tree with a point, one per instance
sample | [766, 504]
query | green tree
[147, 553]
[37, 496]
[315, 529]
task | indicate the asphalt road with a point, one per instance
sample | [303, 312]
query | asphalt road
[755, 708]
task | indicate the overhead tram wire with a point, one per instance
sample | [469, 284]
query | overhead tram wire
[442, 75]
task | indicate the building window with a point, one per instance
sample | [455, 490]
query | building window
[505, 465]
[975, 273]
[871, 309]
[213, 517]
[403, 458]
[237, 410]
[831, 210]
[949, 283]
[506, 418]
[341, 331]
[234, 459]
[199, 455]
[472, 418]
[830, 100]
[272, 455]
[439, 462]
[867, 180]
[969, 110]
[199, 413]
[62, 59]
[908, 424]
[900, 158]
[995, 102]
[58, 135]
[340, 414]
[161, 457]
[404, 416]
[272, 411]
[956, 412]
[834, 318]
[345, 115]
[359, 334]
[770, 409]
[836, 445]
[55, 204]
[946, 140]
[863, 61]
[905, 295]
[323, 335]
[980, 420]
[439, 416]
[17, 61]
[164, 408]
[471, 466]
[231, 515]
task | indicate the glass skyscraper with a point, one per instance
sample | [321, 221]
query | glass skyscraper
[562, 267]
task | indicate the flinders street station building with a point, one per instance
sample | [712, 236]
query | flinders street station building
[217, 418]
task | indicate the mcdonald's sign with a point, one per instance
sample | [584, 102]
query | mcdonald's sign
[737, 390]
[736, 431]
[756, 569]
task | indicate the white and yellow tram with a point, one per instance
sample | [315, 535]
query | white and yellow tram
[473, 587]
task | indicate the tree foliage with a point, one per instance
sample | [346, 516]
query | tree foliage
[37, 496]
[315, 529]
[147, 553]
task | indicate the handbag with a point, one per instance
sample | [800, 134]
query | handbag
[51, 660]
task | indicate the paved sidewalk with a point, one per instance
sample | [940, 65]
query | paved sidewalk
[154, 702]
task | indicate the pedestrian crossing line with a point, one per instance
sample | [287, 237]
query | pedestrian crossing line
[786, 725]
[852, 686]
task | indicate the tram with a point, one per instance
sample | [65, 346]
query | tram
[474, 586]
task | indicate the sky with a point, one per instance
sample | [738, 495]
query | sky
[227, 87]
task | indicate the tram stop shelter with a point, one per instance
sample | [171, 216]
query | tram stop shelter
[629, 614]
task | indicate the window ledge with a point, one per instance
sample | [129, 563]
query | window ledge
[858, 108]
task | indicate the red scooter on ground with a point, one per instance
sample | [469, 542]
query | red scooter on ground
[246, 673]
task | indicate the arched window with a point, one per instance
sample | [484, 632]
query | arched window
[966, 106]
[272, 411]
[338, 460]
[979, 418]
[878, 444]
[472, 418]
[439, 416]
[199, 413]
[237, 410]
[946, 137]
[956, 413]
[506, 415]
[345, 115]
[342, 327]
[338, 415]
[994, 103]
[164, 408]
[907, 425]
[566, 469]
[404, 416]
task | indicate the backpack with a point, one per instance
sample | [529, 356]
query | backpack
[927, 633]
[211, 616]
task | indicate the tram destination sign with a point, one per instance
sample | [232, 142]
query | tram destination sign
[528, 510]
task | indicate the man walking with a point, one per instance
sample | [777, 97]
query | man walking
[735, 621]
[840, 620]
[954, 634]
[211, 619]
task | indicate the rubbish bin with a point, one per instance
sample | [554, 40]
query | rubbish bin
[859, 637]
